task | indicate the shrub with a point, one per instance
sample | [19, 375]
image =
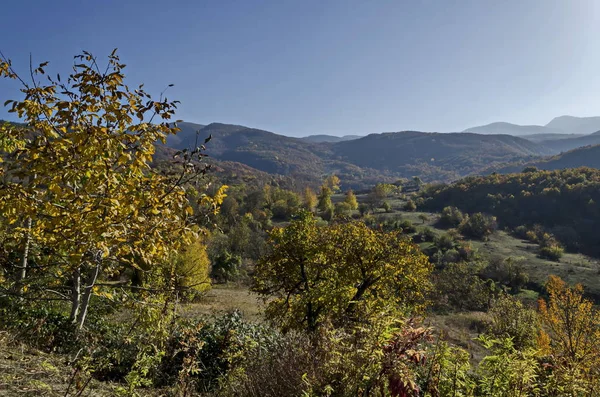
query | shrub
[410, 206]
[342, 208]
[407, 227]
[553, 253]
[510, 319]
[478, 226]
[451, 217]
[386, 206]
[226, 267]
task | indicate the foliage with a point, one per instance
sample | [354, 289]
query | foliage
[81, 189]
[343, 272]
[325, 203]
[191, 269]
[309, 199]
[507, 371]
[564, 198]
[574, 340]
[410, 206]
[226, 267]
[478, 226]
[350, 199]
[458, 286]
[510, 319]
[451, 217]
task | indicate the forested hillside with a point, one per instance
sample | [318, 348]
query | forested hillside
[587, 156]
[377, 157]
[564, 202]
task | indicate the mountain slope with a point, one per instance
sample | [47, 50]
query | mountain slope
[588, 156]
[418, 153]
[540, 138]
[185, 136]
[432, 156]
[329, 138]
[502, 128]
[563, 145]
[575, 125]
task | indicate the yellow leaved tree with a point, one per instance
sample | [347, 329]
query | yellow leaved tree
[77, 183]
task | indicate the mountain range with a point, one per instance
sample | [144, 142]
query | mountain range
[361, 161]
[252, 154]
[558, 125]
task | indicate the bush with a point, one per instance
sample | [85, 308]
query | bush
[226, 267]
[209, 352]
[451, 217]
[386, 206]
[407, 227]
[521, 232]
[41, 327]
[510, 319]
[553, 253]
[410, 206]
[428, 234]
[478, 226]
[342, 208]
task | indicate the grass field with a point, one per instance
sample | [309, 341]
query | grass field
[222, 299]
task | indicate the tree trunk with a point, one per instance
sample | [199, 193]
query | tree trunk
[76, 294]
[25, 259]
[87, 294]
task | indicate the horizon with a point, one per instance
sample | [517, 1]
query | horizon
[341, 68]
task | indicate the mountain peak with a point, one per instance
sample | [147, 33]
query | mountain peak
[575, 125]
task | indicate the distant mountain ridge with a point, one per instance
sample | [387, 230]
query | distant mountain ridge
[588, 156]
[329, 138]
[558, 125]
[362, 160]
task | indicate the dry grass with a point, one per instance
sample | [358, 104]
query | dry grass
[222, 299]
[461, 329]
[29, 372]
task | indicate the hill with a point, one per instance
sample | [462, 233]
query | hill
[377, 157]
[563, 145]
[559, 125]
[575, 125]
[588, 156]
[562, 201]
[435, 156]
[546, 137]
[513, 129]
[329, 138]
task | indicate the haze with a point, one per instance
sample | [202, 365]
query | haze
[336, 67]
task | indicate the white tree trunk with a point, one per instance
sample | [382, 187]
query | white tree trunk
[87, 294]
[76, 294]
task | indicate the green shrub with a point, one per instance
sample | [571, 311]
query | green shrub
[410, 206]
[226, 267]
[553, 253]
[478, 226]
[451, 217]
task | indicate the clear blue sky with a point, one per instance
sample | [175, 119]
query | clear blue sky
[334, 67]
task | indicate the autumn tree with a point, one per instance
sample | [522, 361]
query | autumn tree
[343, 273]
[191, 268]
[350, 199]
[325, 203]
[333, 183]
[309, 199]
[79, 185]
[573, 325]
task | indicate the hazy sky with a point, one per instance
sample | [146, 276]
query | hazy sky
[332, 67]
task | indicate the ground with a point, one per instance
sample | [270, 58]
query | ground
[225, 298]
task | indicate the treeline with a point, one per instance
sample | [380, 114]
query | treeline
[564, 202]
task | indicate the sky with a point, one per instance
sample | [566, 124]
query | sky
[330, 67]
